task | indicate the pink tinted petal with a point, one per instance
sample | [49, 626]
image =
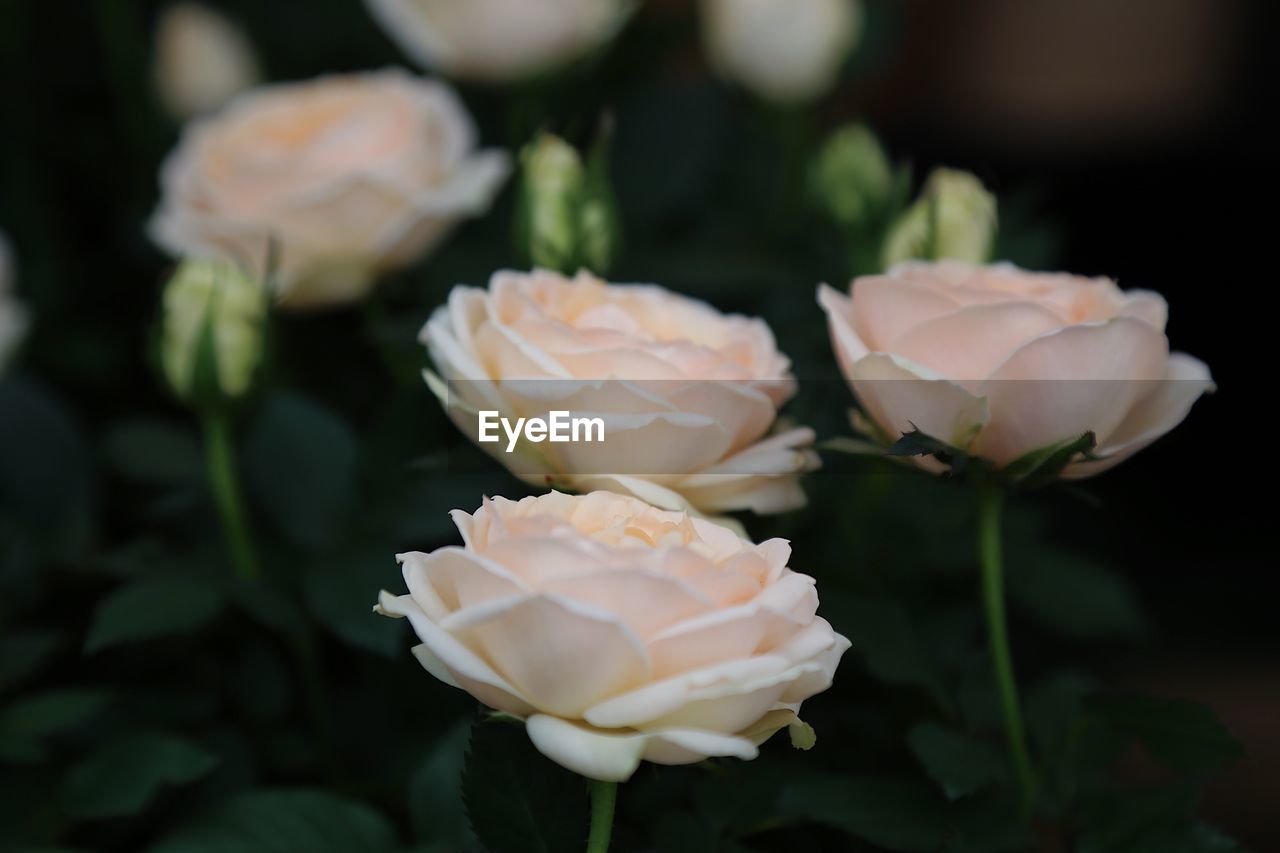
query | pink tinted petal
[885, 307]
[966, 345]
[1160, 411]
[901, 397]
[1066, 383]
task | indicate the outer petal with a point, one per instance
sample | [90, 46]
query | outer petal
[613, 756]
[885, 307]
[967, 344]
[848, 345]
[442, 655]
[1162, 410]
[900, 396]
[1068, 382]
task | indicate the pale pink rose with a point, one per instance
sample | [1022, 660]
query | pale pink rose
[687, 394]
[336, 179]
[620, 632]
[1001, 362]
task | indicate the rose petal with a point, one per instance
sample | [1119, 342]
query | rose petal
[563, 655]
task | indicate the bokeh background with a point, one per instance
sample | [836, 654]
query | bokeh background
[1122, 139]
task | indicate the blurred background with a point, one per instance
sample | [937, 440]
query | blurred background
[1121, 139]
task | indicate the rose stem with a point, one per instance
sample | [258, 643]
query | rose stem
[220, 457]
[603, 797]
[989, 507]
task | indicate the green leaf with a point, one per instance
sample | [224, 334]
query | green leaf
[156, 607]
[301, 467]
[519, 801]
[123, 776]
[1076, 598]
[959, 764]
[1183, 735]
[284, 821]
[882, 634]
[896, 813]
[436, 810]
[154, 452]
[1042, 467]
[40, 714]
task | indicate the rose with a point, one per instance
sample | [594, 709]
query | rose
[337, 179]
[13, 317]
[687, 394]
[783, 50]
[202, 59]
[498, 40]
[618, 631]
[1001, 362]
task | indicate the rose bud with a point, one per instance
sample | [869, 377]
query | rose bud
[620, 632]
[782, 50]
[687, 395]
[498, 40]
[567, 213]
[213, 322]
[322, 186]
[1001, 363]
[202, 60]
[851, 177]
[955, 217]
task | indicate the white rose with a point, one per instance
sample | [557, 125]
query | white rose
[783, 50]
[336, 179]
[202, 60]
[498, 40]
[620, 632]
[687, 394]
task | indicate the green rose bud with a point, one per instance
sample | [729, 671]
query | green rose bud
[955, 217]
[213, 325]
[852, 178]
[567, 214]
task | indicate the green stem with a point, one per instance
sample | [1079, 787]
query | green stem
[989, 511]
[225, 483]
[603, 797]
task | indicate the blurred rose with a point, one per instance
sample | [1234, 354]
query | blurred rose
[1002, 362]
[955, 217]
[201, 60]
[13, 317]
[335, 180]
[620, 632]
[687, 394]
[783, 50]
[498, 40]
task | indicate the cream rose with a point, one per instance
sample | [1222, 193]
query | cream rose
[618, 631]
[336, 180]
[202, 59]
[783, 50]
[13, 317]
[687, 394]
[498, 40]
[1002, 362]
